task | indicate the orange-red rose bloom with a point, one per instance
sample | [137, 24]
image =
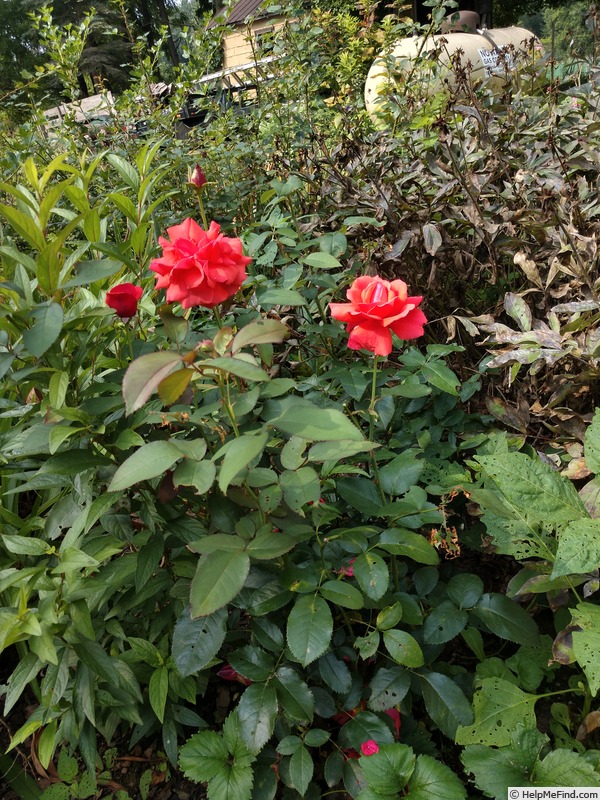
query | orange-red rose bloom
[198, 267]
[376, 308]
[124, 299]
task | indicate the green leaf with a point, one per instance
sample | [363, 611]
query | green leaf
[296, 699]
[388, 770]
[171, 388]
[260, 331]
[148, 559]
[149, 461]
[127, 173]
[495, 769]
[321, 261]
[253, 663]
[506, 619]
[439, 375]
[144, 375]
[24, 225]
[45, 331]
[389, 686]
[361, 494]
[197, 641]
[98, 661]
[445, 702]
[499, 707]
[158, 689]
[403, 648]
[218, 579]
[257, 712]
[25, 671]
[270, 545]
[289, 745]
[389, 617]
[199, 474]
[535, 490]
[67, 766]
[25, 545]
[563, 767]
[591, 450]
[578, 548]
[372, 575]
[464, 589]
[299, 417]
[401, 542]
[368, 645]
[301, 769]
[218, 542]
[236, 366]
[335, 673]
[300, 487]
[444, 623]
[279, 297]
[145, 651]
[239, 454]
[309, 628]
[586, 647]
[203, 756]
[335, 451]
[342, 594]
[432, 779]
[401, 473]
[87, 272]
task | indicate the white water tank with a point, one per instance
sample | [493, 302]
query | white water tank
[488, 55]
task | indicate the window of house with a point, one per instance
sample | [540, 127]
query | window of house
[263, 38]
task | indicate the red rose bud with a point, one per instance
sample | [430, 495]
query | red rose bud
[197, 178]
[227, 673]
[124, 299]
[395, 716]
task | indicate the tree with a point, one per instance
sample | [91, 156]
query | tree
[18, 51]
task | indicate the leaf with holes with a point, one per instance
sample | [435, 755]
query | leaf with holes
[389, 686]
[403, 648]
[499, 707]
[371, 573]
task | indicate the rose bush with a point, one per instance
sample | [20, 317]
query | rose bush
[124, 299]
[198, 267]
[378, 307]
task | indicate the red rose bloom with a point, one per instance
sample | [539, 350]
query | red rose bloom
[124, 299]
[198, 267]
[376, 308]
[369, 748]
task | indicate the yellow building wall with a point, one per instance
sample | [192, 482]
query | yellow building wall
[237, 45]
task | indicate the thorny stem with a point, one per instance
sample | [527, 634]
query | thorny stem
[372, 417]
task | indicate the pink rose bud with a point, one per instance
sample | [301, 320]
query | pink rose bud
[369, 748]
[197, 178]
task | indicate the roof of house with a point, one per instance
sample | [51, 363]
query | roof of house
[243, 9]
